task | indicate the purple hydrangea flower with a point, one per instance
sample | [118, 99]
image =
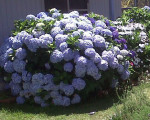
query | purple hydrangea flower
[68, 90]
[42, 15]
[56, 56]
[70, 27]
[80, 70]
[120, 69]
[21, 53]
[107, 32]
[97, 58]
[87, 35]
[103, 65]
[26, 76]
[125, 75]
[99, 41]
[38, 100]
[30, 17]
[59, 38]
[55, 31]
[76, 99]
[100, 23]
[97, 30]
[20, 100]
[38, 79]
[19, 65]
[8, 67]
[68, 67]
[115, 34]
[16, 78]
[81, 61]
[48, 79]
[63, 46]
[90, 52]
[78, 83]
[68, 54]
[56, 15]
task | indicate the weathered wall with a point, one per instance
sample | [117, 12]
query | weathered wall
[11, 10]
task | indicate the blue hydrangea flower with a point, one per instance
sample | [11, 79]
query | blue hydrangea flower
[80, 70]
[66, 101]
[54, 94]
[81, 61]
[97, 58]
[38, 100]
[125, 75]
[21, 53]
[100, 23]
[41, 15]
[20, 100]
[48, 79]
[63, 46]
[26, 76]
[55, 31]
[33, 44]
[56, 15]
[83, 25]
[76, 33]
[59, 38]
[47, 66]
[58, 100]
[114, 64]
[68, 67]
[19, 65]
[78, 83]
[3, 59]
[38, 32]
[120, 69]
[103, 65]
[56, 56]
[87, 44]
[107, 32]
[108, 56]
[68, 90]
[90, 52]
[8, 67]
[87, 36]
[97, 30]
[92, 70]
[38, 79]
[27, 85]
[47, 37]
[74, 14]
[76, 99]
[30, 17]
[99, 41]
[70, 27]
[15, 88]
[16, 78]
[68, 54]
[17, 43]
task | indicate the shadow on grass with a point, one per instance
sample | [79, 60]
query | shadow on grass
[91, 105]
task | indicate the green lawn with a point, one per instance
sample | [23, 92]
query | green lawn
[132, 107]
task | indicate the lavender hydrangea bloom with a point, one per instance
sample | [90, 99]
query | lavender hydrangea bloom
[55, 31]
[8, 67]
[20, 100]
[19, 65]
[87, 44]
[38, 32]
[27, 85]
[68, 67]
[41, 15]
[80, 70]
[108, 56]
[33, 44]
[82, 61]
[70, 27]
[47, 37]
[30, 17]
[76, 33]
[16, 43]
[54, 94]
[90, 52]
[100, 23]
[124, 52]
[97, 30]
[76, 99]
[16, 78]
[103, 65]
[56, 56]
[125, 75]
[38, 79]
[83, 25]
[114, 64]
[66, 101]
[78, 83]
[99, 41]
[26, 76]
[107, 32]
[21, 53]
[87, 36]
[63, 46]
[58, 100]
[3, 59]
[59, 38]
[120, 69]
[56, 15]
[68, 90]
[74, 14]
[97, 58]
[92, 70]
[15, 88]
[47, 66]
[68, 54]
[38, 100]
[48, 79]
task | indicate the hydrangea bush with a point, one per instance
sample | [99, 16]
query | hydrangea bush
[62, 58]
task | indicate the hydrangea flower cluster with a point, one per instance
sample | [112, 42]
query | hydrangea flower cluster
[55, 64]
